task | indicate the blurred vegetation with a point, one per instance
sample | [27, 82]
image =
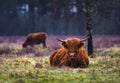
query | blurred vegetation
[103, 68]
[13, 49]
[58, 17]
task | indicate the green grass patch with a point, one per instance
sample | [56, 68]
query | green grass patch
[103, 68]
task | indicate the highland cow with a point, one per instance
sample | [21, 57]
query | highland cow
[72, 54]
[35, 38]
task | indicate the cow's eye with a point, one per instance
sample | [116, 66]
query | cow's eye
[81, 44]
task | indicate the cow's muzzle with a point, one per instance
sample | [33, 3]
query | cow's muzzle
[72, 55]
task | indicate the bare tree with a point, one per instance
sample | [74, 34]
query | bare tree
[87, 9]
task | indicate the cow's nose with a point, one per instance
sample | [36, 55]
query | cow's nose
[71, 54]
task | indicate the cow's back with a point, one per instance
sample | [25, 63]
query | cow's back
[35, 38]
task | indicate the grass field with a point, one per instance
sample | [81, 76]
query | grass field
[18, 65]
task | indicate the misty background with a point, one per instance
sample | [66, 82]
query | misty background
[58, 17]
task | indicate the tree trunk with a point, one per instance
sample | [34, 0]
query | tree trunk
[89, 27]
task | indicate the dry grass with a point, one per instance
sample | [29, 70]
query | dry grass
[18, 65]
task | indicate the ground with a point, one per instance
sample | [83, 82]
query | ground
[31, 65]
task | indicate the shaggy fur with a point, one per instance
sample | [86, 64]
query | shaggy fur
[72, 54]
[35, 38]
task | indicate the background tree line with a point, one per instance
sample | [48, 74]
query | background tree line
[58, 17]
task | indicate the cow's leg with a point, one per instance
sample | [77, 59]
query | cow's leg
[63, 61]
[83, 64]
[44, 44]
[31, 45]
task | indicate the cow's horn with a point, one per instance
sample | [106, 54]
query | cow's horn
[60, 40]
[84, 39]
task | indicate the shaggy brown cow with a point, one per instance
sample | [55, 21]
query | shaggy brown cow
[35, 38]
[72, 54]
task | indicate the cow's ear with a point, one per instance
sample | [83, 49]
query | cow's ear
[81, 44]
[64, 44]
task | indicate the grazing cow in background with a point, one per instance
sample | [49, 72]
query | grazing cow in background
[35, 38]
[72, 54]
